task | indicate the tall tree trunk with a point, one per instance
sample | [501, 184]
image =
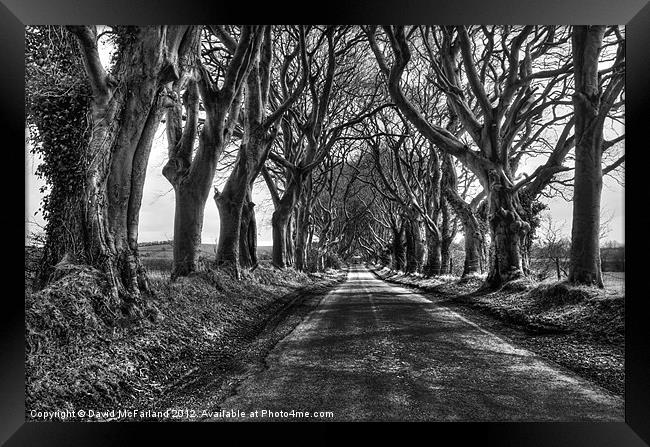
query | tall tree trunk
[302, 233]
[434, 259]
[447, 236]
[474, 240]
[323, 239]
[411, 257]
[192, 182]
[585, 265]
[415, 249]
[473, 232]
[445, 257]
[281, 222]
[230, 224]
[193, 174]
[248, 234]
[526, 246]
[398, 248]
[236, 244]
[188, 225]
[66, 135]
[230, 203]
[291, 238]
[280, 226]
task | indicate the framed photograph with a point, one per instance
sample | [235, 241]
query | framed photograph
[393, 217]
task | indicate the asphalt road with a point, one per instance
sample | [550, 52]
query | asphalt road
[375, 351]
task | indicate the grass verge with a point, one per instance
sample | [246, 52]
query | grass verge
[76, 359]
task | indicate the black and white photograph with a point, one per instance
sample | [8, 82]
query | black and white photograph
[325, 223]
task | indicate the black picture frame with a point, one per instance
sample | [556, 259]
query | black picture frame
[15, 14]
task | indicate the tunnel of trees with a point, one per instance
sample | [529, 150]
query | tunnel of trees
[385, 143]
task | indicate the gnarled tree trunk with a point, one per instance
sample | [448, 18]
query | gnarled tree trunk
[506, 229]
[125, 115]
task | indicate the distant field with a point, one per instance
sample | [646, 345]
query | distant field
[158, 258]
[165, 251]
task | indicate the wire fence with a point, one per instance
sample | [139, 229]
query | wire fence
[614, 281]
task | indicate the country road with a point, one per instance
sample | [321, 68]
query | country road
[375, 351]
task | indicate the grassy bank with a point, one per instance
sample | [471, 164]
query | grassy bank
[580, 328]
[77, 358]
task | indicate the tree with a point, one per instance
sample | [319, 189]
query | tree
[314, 126]
[57, 95]
[126, 108]
[594, 96]
[552, 246]
[491, 90]
[410, 175]
[471, 218]
[341, 204]
[190, 174]
[237, 234]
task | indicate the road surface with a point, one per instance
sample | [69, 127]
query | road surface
[375, 351]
